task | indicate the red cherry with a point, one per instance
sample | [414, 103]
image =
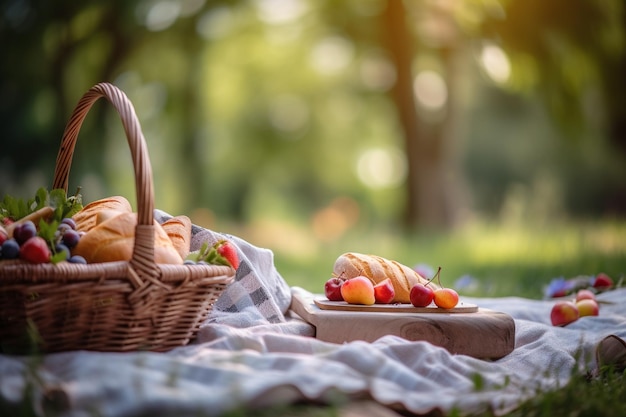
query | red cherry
[421, 295]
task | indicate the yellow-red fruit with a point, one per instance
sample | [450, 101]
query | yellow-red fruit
[358, 290]
[587, 307]
[564, 313]
[446, 298]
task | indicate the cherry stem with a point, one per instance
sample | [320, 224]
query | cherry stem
[333, 275]
[435, 276]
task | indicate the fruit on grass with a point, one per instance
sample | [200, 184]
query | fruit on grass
[585, 294]
[384, 292]
[35, 250]
[446, 298]
[358, 290]
[564, 313]
[332, 289]
[587, 307]
[228, 251]
[421, 295]
[602, 281]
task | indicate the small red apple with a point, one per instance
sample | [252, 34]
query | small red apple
[384, 292]
[332, 289]
[588, 307]
[421, 295]
[564, 313]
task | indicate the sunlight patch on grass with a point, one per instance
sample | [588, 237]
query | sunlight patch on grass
[492, 246]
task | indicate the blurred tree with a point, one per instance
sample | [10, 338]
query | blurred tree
[572, 49]
[430, 195]
[53, 52]
[573, 56]
[284, 81]
[57, 50]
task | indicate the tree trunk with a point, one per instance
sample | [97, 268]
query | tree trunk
[428, 204]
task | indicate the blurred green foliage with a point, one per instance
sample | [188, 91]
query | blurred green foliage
[267, 112]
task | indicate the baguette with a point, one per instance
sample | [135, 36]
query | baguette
[114, 238]
[377, 268]
[178, 228]
[97, 211]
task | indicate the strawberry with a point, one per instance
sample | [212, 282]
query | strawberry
[35, 250]
[228, 251]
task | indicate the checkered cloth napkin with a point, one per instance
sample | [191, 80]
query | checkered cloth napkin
[258, 297]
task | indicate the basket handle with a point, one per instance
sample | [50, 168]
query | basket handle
[143, 251]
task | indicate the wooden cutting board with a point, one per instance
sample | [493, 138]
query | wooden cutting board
[326, 304]
[468, 329]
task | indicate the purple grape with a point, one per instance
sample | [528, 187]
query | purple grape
[60, 247]
[70, 222]
[77, 259]
[24, 231]
[10, 249]
[62, 228]
[70, 238]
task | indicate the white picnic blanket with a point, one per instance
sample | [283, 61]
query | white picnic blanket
[253, 353]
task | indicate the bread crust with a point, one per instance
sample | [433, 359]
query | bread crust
[90, 215]
[114, 238]
[178, 228]
[377, 268]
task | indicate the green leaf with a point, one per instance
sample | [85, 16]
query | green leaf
[57, 257]
[13, 208]
[64, 206]
[47, 231]
[41, 200]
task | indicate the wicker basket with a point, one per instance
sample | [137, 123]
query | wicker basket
[114, 306]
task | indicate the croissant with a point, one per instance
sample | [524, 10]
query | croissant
[377, 268]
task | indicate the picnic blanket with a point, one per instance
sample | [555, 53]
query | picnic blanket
[253, 352]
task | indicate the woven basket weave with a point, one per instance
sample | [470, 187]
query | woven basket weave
[113, 306]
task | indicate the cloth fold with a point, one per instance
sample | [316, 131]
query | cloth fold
[252, 352]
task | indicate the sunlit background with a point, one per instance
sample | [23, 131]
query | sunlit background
[318, 127]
